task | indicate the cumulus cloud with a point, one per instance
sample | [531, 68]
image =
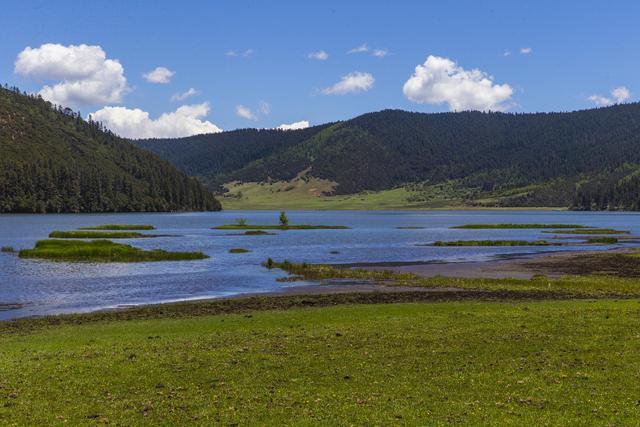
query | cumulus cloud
[303, 124]
[181, 96]
[351, 83]
[136, 123]
[160, 75]
[618, 96]
[359, 49]
[86, 76]
[440, 80]
[380, 53]
[525, 50]
[247, 53]
[320, 55]
[245, 113]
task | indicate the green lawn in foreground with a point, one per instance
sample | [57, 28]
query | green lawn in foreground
[467, 363]
[120, 227]
[101, 251]
[279, 227]
[98, 235]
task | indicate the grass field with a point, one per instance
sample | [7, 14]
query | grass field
[467, 363]
[308, 194]
[101, 251]
[312, 193]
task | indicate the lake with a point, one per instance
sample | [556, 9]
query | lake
[44, 287]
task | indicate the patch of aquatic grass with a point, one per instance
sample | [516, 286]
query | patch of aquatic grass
[279, 227]
[120, 227]
[492, 243]
[98, 235]
[595, 285]
[515, 226]
[7, 249]
[603, 240]
[589, 231]
[463, 363]
[238, 251]
[101, 251]
[258, 233]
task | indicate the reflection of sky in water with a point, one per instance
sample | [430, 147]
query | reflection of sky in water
[49, 287]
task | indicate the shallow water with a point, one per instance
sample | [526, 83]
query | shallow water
[44, 287]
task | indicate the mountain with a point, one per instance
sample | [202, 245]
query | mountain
[53, 161]
[587, 159]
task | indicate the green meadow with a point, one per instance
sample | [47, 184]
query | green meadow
[465, 363]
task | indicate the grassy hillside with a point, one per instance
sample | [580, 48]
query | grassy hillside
[585, 159]
[51, 160]
[466, 363]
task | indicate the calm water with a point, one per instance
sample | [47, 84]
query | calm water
[51, 287]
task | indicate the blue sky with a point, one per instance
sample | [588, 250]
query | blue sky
[578, 50]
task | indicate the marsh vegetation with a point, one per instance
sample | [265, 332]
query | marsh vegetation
[101, 251]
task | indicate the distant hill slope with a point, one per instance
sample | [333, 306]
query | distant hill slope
[53, 161]
[584, 159]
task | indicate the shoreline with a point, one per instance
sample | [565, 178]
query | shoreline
[515, 266]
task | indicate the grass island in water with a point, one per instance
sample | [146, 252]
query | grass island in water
[120, 227]
[98, 235]
[515, 226]
[102, 251]
[492, 243]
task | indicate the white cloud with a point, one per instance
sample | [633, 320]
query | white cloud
[184, 95]
[264, 108]
[245, 113]
[380, 53]
[247, 53]
[621, 94]
[87, 76]
[351, 83]
[441, 80]
[525, 50]
[359, 49]
[506, 53]
[303, 124]
[618, 96]
[160, 75]
[135, 123]
[320, 55]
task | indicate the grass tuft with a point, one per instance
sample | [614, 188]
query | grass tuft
[238, 251]
[589, 231]
[7, 249]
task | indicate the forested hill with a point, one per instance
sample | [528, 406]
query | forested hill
[53, 161]
[584, 159]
